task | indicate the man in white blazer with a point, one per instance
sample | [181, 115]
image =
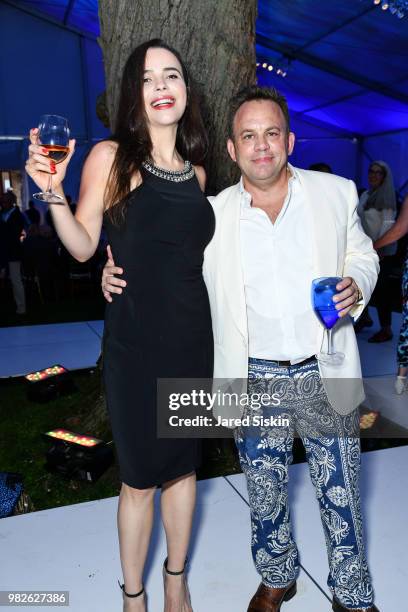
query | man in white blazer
[276, 230]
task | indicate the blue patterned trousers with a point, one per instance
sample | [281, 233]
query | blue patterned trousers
[332, 447]
[402, 350]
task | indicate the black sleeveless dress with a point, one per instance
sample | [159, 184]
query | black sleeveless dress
[160, 326]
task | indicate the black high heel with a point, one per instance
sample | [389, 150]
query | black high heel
[122, 587]
[165, 568]
[181, 573]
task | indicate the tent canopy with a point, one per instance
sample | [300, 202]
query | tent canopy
[346, 81]
[347, 62]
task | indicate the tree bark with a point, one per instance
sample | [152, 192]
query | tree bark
[215, 37]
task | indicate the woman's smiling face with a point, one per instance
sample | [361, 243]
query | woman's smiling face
[164, 88]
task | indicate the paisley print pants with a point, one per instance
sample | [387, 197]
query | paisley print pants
[333, 452]
[402, 350]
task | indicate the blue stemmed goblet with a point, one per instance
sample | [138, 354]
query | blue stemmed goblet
[323, 290]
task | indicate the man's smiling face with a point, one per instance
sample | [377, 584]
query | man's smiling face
[261, 142]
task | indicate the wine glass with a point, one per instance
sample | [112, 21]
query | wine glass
[53, 135]
[323, 290]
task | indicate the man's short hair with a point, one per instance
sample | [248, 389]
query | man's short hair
[253, 92]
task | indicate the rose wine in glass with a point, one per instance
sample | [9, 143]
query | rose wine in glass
[53, 134]
[323, 290]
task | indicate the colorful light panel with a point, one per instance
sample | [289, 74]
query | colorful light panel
[368, 420]
[72, 438]
[47, 373]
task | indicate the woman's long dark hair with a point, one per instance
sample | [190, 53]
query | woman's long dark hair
[132, 132]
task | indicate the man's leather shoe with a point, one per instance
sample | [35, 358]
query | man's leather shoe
[338, 607]
[268, 599]
[381, 336]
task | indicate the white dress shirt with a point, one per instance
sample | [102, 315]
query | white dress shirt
[277, 265]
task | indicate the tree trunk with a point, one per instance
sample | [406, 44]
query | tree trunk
[217, 40]
[215, 37]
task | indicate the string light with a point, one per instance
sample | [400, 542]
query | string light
[399, 8]
[281, 68]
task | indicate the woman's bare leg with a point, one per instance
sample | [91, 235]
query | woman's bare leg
[135, 520]
[177, 505]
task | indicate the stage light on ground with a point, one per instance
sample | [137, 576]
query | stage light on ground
[71, 438]
[367, 420]
[45, 385]
[77, 456]
[47, 373]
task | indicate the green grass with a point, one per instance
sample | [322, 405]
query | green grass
[22, 448]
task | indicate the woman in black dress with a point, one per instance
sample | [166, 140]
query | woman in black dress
[143, 185]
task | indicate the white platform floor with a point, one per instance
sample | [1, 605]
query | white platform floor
[27, 348]
[75, 547]
[33, 347]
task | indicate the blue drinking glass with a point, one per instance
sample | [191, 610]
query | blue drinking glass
[323, 290]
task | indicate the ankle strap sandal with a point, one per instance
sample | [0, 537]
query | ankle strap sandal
[173, 573]
[122, 586]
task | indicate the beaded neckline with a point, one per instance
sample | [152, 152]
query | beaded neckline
[171, 175]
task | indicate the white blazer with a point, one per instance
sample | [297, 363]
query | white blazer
[341, 248]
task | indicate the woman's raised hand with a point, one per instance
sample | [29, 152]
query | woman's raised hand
[39, 165]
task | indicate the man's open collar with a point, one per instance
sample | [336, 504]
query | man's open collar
[247, 196]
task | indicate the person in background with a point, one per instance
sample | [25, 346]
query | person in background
[33, 214]
[377, 210]
[321, 167]
[40, 259]
[400, 229]
[12, 222]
